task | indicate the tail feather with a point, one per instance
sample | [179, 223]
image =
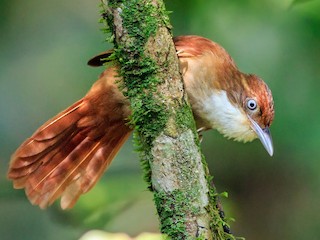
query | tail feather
[33, 151]
[68, 154]
[46, 182]
[96, 167]
[59, 181]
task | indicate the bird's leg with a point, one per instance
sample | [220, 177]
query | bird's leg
[179, 51]
[199, 131]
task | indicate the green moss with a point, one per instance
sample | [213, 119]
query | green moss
[184, 116]
[171, 208]
[185, 119]
[218, 223]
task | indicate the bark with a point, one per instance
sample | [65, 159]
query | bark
[164, 125]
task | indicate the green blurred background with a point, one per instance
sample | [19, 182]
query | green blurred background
[44, 46]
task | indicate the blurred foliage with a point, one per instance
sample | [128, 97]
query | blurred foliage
[44, 48]
[300, 1]
[100, 235]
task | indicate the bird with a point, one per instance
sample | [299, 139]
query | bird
[69, 153]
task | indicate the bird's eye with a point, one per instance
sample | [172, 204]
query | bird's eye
[251, 104]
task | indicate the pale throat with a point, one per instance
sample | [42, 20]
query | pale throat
[229, 119]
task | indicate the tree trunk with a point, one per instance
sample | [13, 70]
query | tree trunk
[164, 126]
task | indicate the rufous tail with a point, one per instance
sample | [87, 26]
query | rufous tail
[69, 153]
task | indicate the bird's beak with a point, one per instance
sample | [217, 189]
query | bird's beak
[264, 135]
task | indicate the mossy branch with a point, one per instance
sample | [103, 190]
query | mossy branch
[163, 121]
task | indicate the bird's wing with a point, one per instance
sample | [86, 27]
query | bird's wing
[69, 153]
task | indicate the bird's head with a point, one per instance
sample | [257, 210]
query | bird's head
[249, 107]
[239, 107]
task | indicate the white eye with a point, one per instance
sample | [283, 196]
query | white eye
[251, 104]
